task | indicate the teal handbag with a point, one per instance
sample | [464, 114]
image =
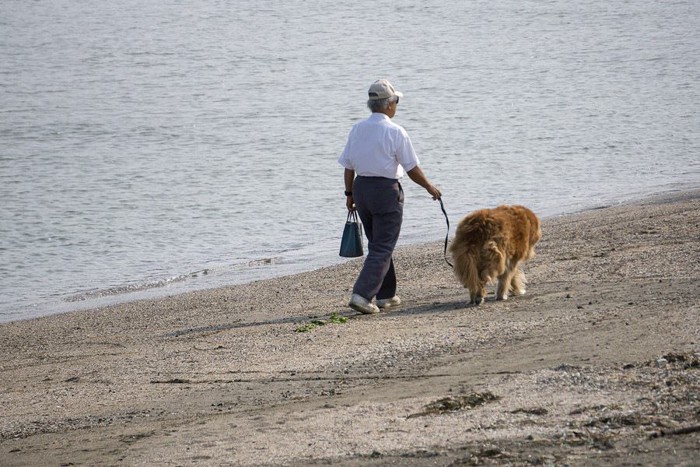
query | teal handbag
[351, 243]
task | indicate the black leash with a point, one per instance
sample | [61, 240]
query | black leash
[442, 206]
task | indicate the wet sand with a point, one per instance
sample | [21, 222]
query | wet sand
[599, 364]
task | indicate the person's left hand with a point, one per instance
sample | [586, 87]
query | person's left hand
[434, 192]
[350, 203]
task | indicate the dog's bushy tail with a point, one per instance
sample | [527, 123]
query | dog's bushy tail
[475, 265]
[466, 267]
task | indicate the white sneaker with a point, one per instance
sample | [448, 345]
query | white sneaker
[361, 304]
[387, 302]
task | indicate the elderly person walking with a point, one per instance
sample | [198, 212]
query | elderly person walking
[377, 153]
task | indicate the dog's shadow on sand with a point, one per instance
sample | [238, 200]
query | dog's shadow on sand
[433, 308]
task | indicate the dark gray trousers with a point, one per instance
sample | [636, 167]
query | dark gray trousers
[379, 203]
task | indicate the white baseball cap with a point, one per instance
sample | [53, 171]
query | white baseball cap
[382, 89]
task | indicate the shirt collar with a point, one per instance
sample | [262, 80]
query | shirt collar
[379, 116]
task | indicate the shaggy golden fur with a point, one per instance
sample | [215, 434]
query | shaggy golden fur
[490, 244]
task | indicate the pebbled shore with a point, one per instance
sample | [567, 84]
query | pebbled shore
[599, 364]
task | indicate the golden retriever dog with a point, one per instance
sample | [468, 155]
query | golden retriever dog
[490, 244]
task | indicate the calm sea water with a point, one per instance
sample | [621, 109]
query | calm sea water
[144, 143]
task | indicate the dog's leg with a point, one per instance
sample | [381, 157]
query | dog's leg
[518, 282]
[481, 294]
[504, 285]
[477, 296]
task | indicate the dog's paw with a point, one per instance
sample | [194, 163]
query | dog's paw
[502, 297]
[477, 301]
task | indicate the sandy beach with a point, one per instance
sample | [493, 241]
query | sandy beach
[598, 364]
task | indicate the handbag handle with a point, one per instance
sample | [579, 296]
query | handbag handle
[352, 216]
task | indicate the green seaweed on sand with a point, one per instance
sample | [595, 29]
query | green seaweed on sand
[338, 319]
[335, 318]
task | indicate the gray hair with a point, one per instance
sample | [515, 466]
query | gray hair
[377, 105]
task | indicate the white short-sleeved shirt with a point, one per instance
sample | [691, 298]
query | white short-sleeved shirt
[378, 147]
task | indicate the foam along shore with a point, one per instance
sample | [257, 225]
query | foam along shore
[599, 363]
